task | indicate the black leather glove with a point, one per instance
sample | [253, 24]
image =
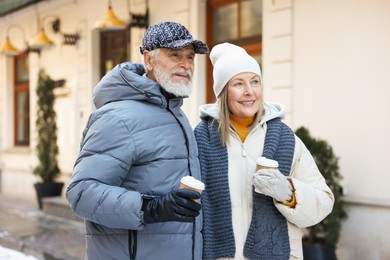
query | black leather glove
[177, 205]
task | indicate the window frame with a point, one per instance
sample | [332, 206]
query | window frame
[20, 87]
[253, 45]
[109, 53]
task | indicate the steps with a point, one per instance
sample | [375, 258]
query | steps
[55, 235]
[59, 206]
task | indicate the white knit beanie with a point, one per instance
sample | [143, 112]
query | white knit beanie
[229, 60]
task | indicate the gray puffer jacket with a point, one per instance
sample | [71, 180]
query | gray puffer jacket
[136, 142]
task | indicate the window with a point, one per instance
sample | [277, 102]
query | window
[21, 101]
[113, 49]
[235, 21]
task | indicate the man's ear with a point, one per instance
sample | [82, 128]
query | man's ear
[148, 61]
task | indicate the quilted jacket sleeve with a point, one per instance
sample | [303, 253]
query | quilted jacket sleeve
[95, 192]
[314, 197]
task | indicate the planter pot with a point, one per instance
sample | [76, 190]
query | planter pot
[45, 190]
[318, 252]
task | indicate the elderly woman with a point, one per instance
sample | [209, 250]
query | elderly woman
[249, 213]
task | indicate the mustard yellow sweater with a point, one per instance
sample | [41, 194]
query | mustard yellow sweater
[241, 125]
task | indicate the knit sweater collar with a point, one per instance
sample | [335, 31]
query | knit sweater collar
[241, 125]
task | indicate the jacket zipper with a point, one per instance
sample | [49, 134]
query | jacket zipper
[189, 169]
[132, 244]
[243, 151]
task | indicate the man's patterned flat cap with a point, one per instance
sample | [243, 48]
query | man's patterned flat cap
[170, 35]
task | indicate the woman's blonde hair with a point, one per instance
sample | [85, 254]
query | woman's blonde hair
[224, 117]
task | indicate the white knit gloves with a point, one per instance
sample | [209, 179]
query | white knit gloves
[273, 183]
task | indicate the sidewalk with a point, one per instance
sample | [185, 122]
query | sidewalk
[26, 229]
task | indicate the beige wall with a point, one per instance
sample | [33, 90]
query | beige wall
[341, 62]
[326, 60]
[79, 66]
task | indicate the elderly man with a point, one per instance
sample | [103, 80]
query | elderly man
[136, 147]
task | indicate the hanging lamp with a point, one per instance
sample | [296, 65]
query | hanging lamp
[41, 41]
[8, 48]
[110, 21]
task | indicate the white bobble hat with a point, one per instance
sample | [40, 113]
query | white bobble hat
[229, 60]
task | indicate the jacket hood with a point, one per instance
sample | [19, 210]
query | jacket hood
[271, 111]
[126, 82]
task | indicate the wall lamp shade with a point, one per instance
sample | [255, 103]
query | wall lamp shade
[8, 48]
[110, 21]
[41, 41]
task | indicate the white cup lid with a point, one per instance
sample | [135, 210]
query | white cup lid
[267, 162]
[192, 182]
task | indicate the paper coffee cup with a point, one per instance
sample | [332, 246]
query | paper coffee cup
[190, 183]
[265, 163]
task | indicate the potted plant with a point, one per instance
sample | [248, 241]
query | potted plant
[321, 240]
[46, 148]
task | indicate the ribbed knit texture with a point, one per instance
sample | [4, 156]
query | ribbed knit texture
[268, 234]
[241, 125]
[218, 238]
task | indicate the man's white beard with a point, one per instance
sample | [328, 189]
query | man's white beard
[179, 89]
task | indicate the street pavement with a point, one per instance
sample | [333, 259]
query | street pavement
[10, 254]
[24, 228]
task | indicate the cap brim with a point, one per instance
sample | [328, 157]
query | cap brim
[199, 46]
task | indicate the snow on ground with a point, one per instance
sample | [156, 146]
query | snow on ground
[9, 254]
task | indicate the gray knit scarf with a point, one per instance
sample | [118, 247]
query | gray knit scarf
[268, 235]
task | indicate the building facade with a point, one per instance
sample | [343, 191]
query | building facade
[326, 61]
